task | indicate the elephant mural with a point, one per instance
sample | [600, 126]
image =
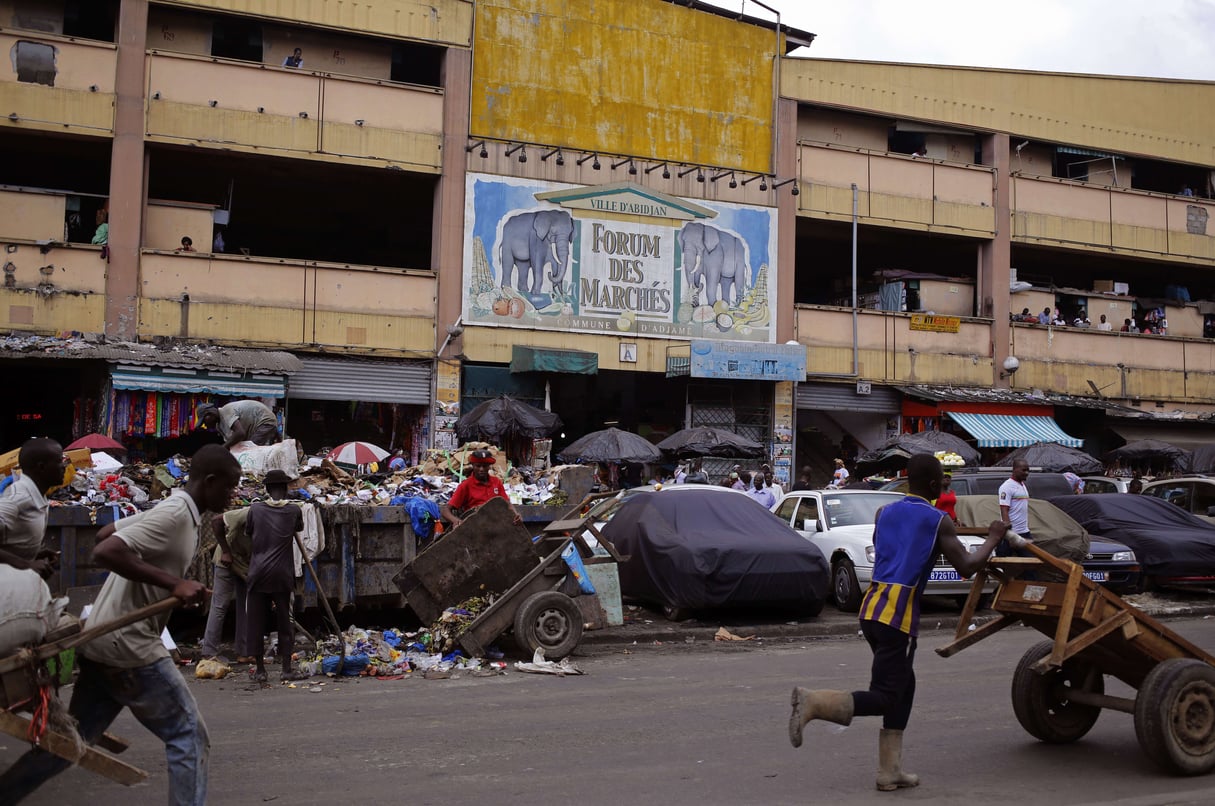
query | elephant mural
[719, 257]
[530, 241]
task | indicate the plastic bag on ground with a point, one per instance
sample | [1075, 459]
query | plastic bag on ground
[258, 460]
[539, 665]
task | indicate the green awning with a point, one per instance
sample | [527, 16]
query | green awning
[543, 359]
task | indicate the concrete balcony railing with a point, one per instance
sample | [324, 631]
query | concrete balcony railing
[51, 289]
[1122, 365]
[1133, 222]
[889, 351]
[55, 83]
[232, 104]
[896, 190]
[286, 303]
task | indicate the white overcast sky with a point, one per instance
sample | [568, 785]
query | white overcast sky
[1156, 38]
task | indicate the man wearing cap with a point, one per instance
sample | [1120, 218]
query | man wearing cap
[271, 526]
[23, 507]
[475, 490]
[240, 421]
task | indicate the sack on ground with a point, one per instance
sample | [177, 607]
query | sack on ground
[27, 611]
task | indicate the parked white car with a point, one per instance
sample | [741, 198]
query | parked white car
[840, 523]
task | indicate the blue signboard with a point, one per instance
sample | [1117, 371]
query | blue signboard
[748, 360]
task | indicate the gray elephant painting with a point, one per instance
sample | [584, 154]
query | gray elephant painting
[717, 257]
[532, 240]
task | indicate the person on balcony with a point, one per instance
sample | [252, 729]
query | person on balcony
[1104, 325]
[187, 245]
[296, 59]
[1044, 318]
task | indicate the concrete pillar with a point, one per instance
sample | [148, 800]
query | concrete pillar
[786, 217]
[127, 174]
[995, 258]
[447, 243]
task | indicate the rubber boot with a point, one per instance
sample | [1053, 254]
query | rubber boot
[833, 706]
[890, 762]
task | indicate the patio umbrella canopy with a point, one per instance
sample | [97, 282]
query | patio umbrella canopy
[96, 442]
[894, 452]
[708, 441]
[610, 445]
[357, 453]
[1149, 451]
[1052, 457]
[504, 417]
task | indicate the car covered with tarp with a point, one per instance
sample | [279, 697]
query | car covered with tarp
[1175, 548]
[710, 548]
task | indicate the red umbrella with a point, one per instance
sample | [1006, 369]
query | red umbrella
[357, 453]
[97, 442]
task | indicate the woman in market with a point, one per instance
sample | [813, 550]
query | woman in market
[948, 499]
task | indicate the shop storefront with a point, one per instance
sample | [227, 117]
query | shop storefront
[336, 400]
[844, 420]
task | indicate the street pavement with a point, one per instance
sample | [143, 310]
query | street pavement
[663, 715]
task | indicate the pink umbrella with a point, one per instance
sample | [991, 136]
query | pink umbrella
[97, 442]
[357, 453]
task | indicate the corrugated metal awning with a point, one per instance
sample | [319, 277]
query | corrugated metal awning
[1087, 152]
[1013, 430]
[369, 381]
[178, 380]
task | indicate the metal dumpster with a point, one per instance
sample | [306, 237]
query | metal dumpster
[365, 546]
[72, 531]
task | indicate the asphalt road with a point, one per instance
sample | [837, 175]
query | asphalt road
[679, 723]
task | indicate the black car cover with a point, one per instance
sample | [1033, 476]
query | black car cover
[1167, 540]
[702, 548]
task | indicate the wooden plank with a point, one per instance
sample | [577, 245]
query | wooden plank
[1066, 611]
[977, 634]
[972, 602]
[92, 760]
[1083, 641]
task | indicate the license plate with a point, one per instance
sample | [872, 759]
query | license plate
[1097, 576]
[944, 576]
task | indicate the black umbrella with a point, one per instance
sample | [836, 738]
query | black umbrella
[1055, 458]
[894, 452]
[1203, 460]
[708, 441]
[503, 418]
[1150, 450]
[610, 445]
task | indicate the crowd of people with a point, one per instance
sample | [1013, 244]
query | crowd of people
[1151, 321]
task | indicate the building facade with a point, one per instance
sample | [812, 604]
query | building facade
[431, 204]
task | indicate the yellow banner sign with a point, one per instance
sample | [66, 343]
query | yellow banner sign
[937, 324]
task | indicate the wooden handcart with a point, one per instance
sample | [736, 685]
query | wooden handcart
[25, 684]
[489, 553]
[1058, 687]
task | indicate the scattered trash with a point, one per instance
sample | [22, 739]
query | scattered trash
[723, 634]
[539, 665]
[211, 669]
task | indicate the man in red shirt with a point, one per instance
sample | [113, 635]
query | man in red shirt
[476, 490]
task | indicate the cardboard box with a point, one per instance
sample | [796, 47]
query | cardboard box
[1111, 287]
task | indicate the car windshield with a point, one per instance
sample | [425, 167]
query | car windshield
[854, 509]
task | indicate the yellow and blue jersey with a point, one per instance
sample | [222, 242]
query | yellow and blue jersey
[905, 541]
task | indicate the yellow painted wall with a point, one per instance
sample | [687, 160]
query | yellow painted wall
[165, 223]
[77, 269]
[31, 216]
[445, 21]
[1164, 118]
[896, 191]
[494, 345]
[842, 128]
[947, 299]
[27, 310]
[640, 77]
[178, 31]
[71, 104]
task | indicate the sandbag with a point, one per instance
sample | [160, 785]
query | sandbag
[27, 611]
[258, 460]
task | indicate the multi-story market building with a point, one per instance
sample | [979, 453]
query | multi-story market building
[642, 212]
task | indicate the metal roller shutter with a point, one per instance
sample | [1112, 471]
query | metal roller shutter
[371, 381]
[836, 396]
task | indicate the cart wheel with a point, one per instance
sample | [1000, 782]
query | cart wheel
[1040, 701]
[1175, 716]
[550, 621]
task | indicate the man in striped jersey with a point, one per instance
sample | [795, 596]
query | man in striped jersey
[908, 537]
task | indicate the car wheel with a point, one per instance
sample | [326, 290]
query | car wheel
[1040, 701]
[1175, 716]
[845, 590]
[550, 621]
[676, 613]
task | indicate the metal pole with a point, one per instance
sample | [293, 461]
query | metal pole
[855, 350]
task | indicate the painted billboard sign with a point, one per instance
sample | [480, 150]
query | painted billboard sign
[617, 259]
[748, 361]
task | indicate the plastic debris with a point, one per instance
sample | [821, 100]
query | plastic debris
[723, 634]
[539, 665]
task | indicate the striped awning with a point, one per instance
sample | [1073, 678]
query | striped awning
[196, 381]
[1013, 430]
